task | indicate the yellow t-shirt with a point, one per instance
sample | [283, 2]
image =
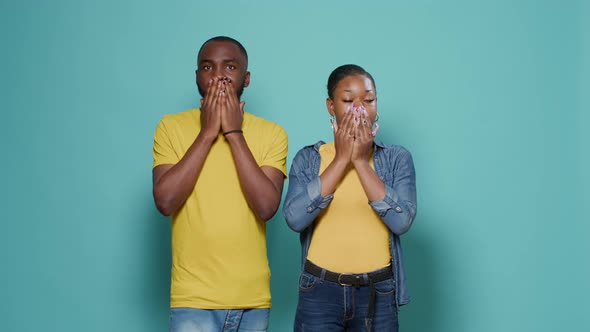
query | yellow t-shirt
[349, 236]
[218, 244]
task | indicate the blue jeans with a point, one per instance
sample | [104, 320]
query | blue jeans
[203, 320]
[328, 306]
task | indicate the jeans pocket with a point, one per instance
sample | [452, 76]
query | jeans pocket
[385, 287]
[385, 300]
[307, 282]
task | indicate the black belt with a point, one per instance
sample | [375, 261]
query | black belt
[352, 279]
[348, 279]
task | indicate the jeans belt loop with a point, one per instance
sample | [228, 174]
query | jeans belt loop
[340, 279]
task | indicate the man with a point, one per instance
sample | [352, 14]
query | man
[219, 173]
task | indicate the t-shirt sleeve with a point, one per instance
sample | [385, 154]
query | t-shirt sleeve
[163, 151]
[277, 151]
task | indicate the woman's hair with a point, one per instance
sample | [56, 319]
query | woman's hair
[344, 71]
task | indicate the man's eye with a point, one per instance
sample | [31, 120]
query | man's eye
[231, 67]
[206, 67]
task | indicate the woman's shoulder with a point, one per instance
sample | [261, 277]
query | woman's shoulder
[311, 147]
[393, 150]
[391, 147]
[309, 151]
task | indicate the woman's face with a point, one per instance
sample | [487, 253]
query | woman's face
[354, 89]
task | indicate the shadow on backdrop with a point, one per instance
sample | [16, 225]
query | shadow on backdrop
[155, 283]
[284, 255]
[423, 312]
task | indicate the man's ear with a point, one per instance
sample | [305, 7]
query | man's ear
[247, 79]
[330, 106]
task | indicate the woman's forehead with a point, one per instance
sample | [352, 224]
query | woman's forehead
[355, 83]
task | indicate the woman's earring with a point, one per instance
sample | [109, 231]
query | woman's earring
[332, 120]
[375, 128]
[375, 122]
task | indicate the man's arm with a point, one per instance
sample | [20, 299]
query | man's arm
[262, 186]
[173, 183]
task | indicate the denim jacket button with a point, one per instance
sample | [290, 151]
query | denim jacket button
[398, 209]
[309, 209]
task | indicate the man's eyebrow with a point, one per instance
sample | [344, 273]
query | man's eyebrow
[224, 60]
[346, 90]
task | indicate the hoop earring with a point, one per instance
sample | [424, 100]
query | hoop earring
[375, 125]
[332, 120]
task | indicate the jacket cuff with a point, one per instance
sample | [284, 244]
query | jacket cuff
[314, 192]
[390, 201]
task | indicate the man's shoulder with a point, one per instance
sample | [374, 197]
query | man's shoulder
[180, 117]
[261, 124]
[256, 120]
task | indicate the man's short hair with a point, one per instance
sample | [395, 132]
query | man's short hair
[227, 39]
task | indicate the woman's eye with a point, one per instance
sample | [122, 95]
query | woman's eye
[347, 101]
[369, 100]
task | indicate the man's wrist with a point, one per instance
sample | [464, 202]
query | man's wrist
[208, 135]
[235, 139]
[233, 132]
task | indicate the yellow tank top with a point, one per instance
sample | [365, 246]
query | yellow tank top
[349, 236]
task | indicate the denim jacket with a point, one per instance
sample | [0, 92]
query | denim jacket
[394, 166]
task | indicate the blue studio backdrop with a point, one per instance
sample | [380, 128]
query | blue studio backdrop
[491, 97]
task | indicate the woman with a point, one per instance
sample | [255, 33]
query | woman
[352, 275]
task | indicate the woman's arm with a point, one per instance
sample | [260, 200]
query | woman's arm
[398, 208]
[304, 200]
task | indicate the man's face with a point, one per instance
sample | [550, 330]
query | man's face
[222, 59]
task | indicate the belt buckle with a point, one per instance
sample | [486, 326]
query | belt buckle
[340, 280]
